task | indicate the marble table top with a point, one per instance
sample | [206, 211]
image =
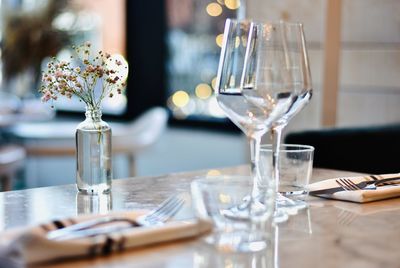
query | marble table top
[327, 234]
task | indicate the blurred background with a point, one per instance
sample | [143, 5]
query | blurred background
[172, 47]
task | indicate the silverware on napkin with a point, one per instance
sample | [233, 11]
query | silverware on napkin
[363, 185]
[93, 227]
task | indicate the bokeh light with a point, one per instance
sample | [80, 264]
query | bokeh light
[203, 91]
[213, 172]
[232, 4]
[219, 39]
[225, 198]
[213, 82]
[214, 9]
[237, 41]
[180, 98]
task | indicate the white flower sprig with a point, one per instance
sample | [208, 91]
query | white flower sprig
[62, 78]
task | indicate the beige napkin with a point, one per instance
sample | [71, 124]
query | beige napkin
[360, 196]
[34, 247]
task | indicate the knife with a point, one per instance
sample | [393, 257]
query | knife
[361, 185]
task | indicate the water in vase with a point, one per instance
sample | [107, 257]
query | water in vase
[94, 172]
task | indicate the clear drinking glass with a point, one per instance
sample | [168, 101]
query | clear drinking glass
[217, 198]
[93, 154]
[250, 118]
[277, 78]
[295, 166]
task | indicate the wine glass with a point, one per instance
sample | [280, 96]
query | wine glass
[277, 78]
[251, 118]
[256, 88]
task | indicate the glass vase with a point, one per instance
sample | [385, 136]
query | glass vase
[93, 154]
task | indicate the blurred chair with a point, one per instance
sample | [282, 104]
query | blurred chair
[11, 159]
[372, 150]
[57, 138]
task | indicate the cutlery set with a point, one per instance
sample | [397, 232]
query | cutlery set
[346, 184]
[102, 225]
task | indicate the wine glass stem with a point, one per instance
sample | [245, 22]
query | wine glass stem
[276, 246]
[255, 172]
[276, 135]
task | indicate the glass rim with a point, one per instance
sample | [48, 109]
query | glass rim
[272, 22]
[297, 148]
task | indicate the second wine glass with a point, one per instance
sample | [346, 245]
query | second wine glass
[277, 78]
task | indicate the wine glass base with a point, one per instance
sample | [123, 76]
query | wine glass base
[286, 207]
[236, 214]
[248, 210]
[280, 216]
[301, 204]
[291, 207]
[291, 211]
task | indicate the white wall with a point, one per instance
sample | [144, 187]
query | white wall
[370, 58]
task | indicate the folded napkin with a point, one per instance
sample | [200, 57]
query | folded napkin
[32, 246]
[389, 190]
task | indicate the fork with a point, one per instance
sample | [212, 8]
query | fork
[349, 185]
[364, 185]
[158, 216]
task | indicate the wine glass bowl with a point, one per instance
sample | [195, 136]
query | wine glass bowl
[248, 117]
[276, 74]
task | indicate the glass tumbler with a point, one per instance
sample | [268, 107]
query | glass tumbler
[221, 199]
[295, 169]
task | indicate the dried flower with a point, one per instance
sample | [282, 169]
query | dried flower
[61, 78]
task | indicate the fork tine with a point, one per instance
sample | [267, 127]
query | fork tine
[352, 184]
[342, 185]
[349, 185]
[168, 213]
[167, 210]
[162, 218]
[170, 203]
[162, 206]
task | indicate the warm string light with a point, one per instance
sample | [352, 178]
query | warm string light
[232, 4]
[180, 98]
[182, 104]
[203, 101]
[203, 91]
[219, 39]
[214, 9]
[224, 198]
